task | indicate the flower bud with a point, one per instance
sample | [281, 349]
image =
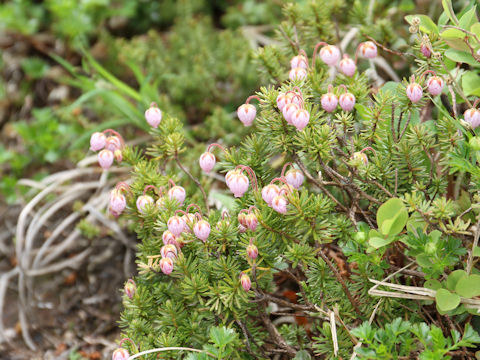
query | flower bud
[330, 55]
[142, 202]
[425, 51]
[299, 61]
[245, 281]
[360, 158]
[297, 74]
[166, 265]
[294, 97]
[246, 113]
[169, 238]
[414, 92]
[169, 251]
[238, 184]
[300, 119]
[368, 49]
[202, 230]
[120, 354]
[153, 115]
[117, 154]
[207, 161]
[295, 178]
[176, 225]
[347, 101]
[347, 66]
[242, 229]
[279, 204]
[269, 192]
[252, 251]
[288, 112]
[117, 202]
[435, 85]
[281, 101]
[242, 219]
[98, 141]
[251, 221]
[105, 159]
[113, 143]
[178, 193]
[130, 288]
[472, 117]
[329, 102]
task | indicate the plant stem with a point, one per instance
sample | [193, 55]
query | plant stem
[205, 199]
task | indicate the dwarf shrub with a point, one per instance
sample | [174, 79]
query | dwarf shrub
[345, 222]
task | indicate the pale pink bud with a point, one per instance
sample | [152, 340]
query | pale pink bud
[281, 101]
[166, 265]
[295, 178]
[288, 112]
[425, 51]
[153, 115]
[245, 281]
[347, 66]
[130, 289]
[228, 176]
[299, 61]
[435, 85]
[368, 49]
[251, 221]
[252, 251]
[242, 219]
[347, 101]
[330, 55]
[105, 158]
[207, 161]
[117, 202]
[117, 154]
[414, 92]
[269, 192]
[329, 102]
[279, 204]
[242, 229]
[176, 225]
[169, 238]
[143, 201]
[300, 119]
[297, 74]
[238, 184]
[120, 354]
[113, 143]
[202, 230]
[360, 157]
[98, 141]
[189, 220]
[246, 113]
[178, 193]
[169, 251]
[472, 116]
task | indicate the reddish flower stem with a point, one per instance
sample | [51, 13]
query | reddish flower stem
[251, 175]
[252, 97]
[428, 72]
[252, 207]
[215, 145]
[129, 340]
[182, 212]
[148, 187]
[368, 148]
[171, 183]
[195, 206]
[344, 87]
[282, 174]
[476, 103]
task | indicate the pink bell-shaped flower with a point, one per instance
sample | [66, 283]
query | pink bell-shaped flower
[329, 101]
[252, 251]
[368, 49]
[299, 61]
[207, 161]
[166, 265]
[176, 225]
[117, 202]
[98, 141]
[238, 184]
[472, 116]
[105, 159]
[153, 115]
[269, 192]
[300, 119]
[246, 114]
[202, 230]
[294, 177]
[245, 281]
[142, 202]
[435, 85]
[414, 92]
[347, 66]
[297, 74]
[178, 193]
[346, 101]
[120, 354]
[169, 250]
[330, 55]
[279, 204]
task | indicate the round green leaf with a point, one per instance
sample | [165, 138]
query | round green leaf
[461, 56]
[446, 300]
[394, 212]
[476, 251]
[468, 286]
[454, 277]
[433, 284]
[378, 242]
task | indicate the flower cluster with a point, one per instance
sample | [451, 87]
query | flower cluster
[110, 143]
